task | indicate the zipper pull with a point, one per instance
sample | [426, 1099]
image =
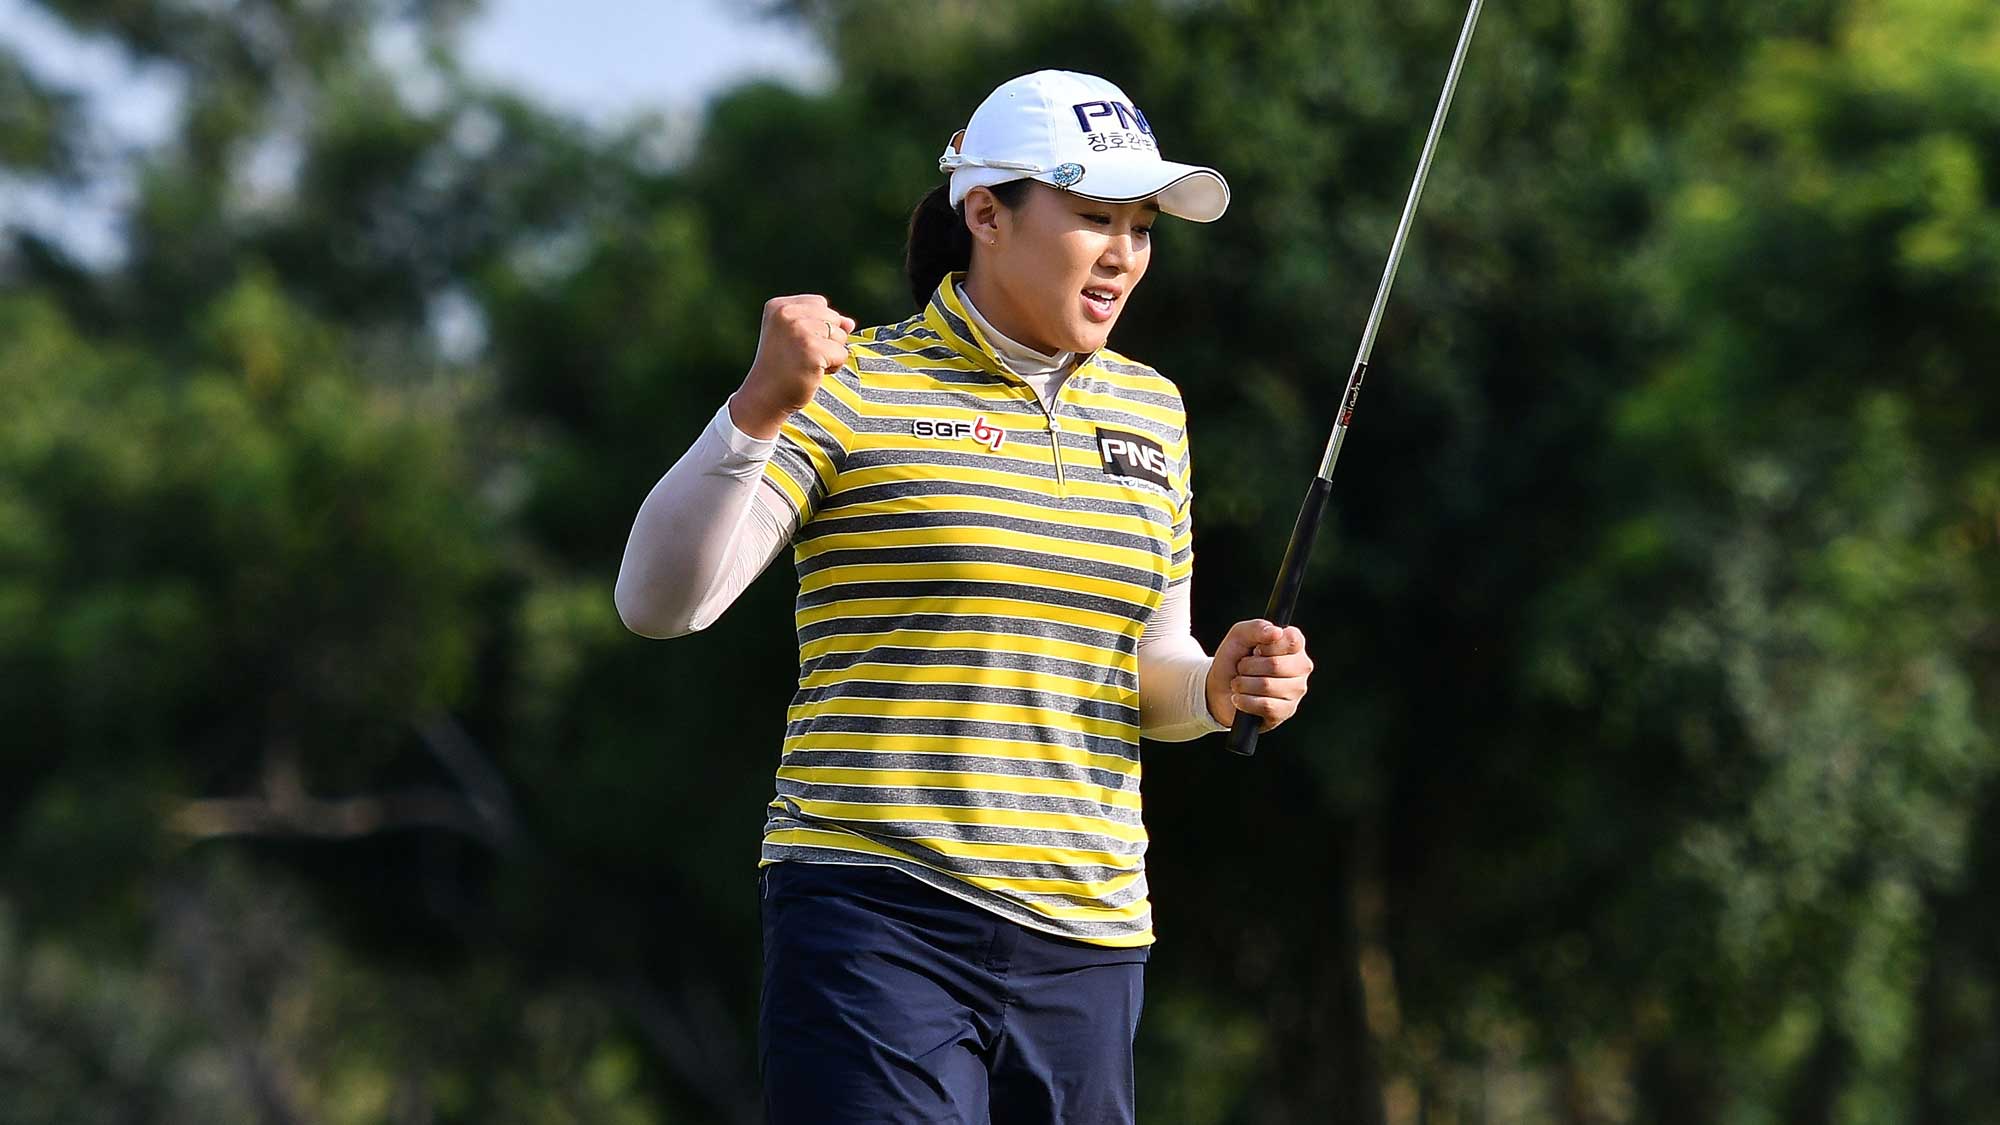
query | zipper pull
[1055, 450]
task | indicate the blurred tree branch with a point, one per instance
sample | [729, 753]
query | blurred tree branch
[481, 811]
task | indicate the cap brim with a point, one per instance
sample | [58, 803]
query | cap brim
[1185, 191]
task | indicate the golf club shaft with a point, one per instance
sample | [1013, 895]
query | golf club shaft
[1292, 571]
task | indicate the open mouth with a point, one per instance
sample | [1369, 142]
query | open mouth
[1100, 302]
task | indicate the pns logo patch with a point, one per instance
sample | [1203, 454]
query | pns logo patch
[979, 430]
[1127, 454]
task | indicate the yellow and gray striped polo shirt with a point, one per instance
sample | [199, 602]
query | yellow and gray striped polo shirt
[975, 570]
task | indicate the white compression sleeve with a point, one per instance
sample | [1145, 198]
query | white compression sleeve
[1173, 673]
[705, 532]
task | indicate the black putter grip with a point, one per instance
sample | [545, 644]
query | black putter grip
[1285, 596]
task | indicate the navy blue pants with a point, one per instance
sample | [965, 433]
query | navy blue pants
[886, 1000]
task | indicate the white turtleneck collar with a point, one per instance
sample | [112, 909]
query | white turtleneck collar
[1040, 370]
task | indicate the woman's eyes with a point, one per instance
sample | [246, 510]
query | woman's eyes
[1105, 221]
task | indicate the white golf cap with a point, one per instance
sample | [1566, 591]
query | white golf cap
[1080, 133]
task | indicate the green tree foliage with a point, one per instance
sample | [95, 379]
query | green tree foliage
[1649, 768]
[37, 124]
[1814, 547]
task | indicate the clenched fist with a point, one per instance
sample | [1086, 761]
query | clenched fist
[802, 338]
[1259, 669]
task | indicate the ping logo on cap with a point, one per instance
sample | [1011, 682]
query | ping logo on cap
[1108, 124]
[979, 429]
[1128, 115]
[1126, 454]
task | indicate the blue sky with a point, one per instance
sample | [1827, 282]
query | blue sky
[605, 58]
[602, 60]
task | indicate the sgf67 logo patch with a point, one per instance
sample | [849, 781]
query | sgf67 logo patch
[979, 430]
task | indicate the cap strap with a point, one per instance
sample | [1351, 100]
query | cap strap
[954, 158]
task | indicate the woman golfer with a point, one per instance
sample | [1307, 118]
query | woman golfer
[990, 512]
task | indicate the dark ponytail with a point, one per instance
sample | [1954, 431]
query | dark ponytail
[939, 243]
